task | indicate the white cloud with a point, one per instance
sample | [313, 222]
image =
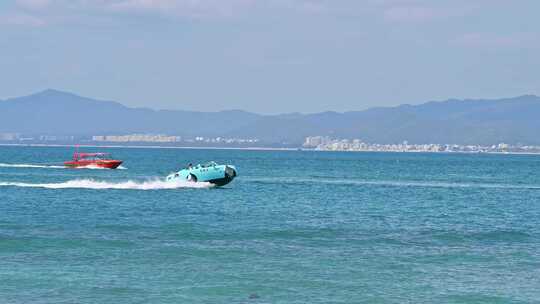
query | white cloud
[145, 4]
[19, 19]
[391, 11]
[491, 40]
[33, 4]
[410, 14]
[167, 7]
[186, 8]
[189, 8]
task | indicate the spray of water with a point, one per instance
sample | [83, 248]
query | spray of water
[54, 166]
[99, 185]
[30, 166]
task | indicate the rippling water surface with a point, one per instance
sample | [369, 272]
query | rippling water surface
[294, 227]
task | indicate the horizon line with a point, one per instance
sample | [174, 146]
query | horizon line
[56, 91]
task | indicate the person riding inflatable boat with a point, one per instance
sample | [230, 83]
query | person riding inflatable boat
[211, 172]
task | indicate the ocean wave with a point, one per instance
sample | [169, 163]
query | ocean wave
[100, 185]
[390, 183]
[481, 236]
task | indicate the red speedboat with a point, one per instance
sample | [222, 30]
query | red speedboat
[99, 160]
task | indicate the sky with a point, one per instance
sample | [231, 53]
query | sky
[270, 56]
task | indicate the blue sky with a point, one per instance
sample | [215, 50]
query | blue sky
[270, 56]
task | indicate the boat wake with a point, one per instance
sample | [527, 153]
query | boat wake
[30, 166]
[390, 183]
[93, 167]
[99, 185]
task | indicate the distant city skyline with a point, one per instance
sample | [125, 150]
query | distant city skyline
[272, 56]
[55, 113]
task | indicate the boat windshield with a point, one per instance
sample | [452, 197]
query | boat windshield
[97, 157]
[209, 164]
[92, 156]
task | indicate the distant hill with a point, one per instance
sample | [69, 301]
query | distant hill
[510, 120]
[54, 112]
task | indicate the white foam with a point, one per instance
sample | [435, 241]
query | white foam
[29, 166]
[93, 167]
[98, 185]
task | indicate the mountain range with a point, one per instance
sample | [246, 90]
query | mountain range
[510, 120]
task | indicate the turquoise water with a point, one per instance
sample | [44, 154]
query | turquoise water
[294, 227]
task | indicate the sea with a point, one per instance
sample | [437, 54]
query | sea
[293, 227]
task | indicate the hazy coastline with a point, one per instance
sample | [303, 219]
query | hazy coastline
[256, 149]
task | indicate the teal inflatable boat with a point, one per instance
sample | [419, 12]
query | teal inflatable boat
[219, 175]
